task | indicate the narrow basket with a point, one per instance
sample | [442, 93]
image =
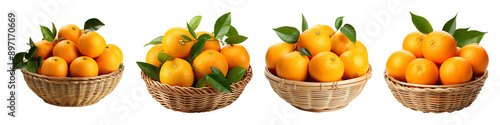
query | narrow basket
[72, 91]
[318, 96]
[436, 98]
[190, 99]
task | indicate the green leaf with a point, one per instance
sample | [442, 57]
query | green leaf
[222, 25]
[191, 31]
[235, 74]
[20, 65]
[219, 83]
[288, 34]
[162, 57]
[186, 37]
[201, 83]
[155, 41]
[198, 46]
[31, 52]
[18, 58]
[121, 66]
[304, 23]
[54, 31]
[469, 37]
[349, 32]
[338, 22]
[304, 52]
[421, 23]
[40, 60]
[459, 32]
[451, 25]
[47, 34]
[32, 66]
[150, 70]
[235, 39]
[232, 32]
[194, 22]
[31, 43]
[92, 24]
[216, 71]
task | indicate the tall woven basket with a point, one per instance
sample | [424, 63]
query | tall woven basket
[190, 99]
[436, 98]
[72, 91]
[316, 96]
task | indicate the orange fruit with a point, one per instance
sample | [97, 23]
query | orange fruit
[422, 71]
[455, 70]
[69, 32]
[340, 44]
[82, 32]
[67, 50]
[211, 44]
[275, 52]
[413, 43]
[107, 62]
[359, 46]
[175, 45]
[325, 29]
[207, 59]
[439, 46]
[117, 50]
[54, 66]
[326, 67]
[315, 40]
[355, 63]
[458, 51]
[152, 56]
[236, 56]
[91, 44]
[177, 72]
[293, 66]
[44, 48]
[476, 55]
[83, 66]
[397, 63]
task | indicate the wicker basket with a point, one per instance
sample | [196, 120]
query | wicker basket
[316, 96]
[72, 91]
[436, 98]
[190, 99]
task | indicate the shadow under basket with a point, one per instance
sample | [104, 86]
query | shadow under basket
[72, 91]
[318, 96]
[436, 98]
[190, 99]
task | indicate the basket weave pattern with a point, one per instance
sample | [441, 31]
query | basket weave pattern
[436, 98]
[190, 99]
[72, 91]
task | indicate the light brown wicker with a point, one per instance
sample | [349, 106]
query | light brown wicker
[436, 98]
[72, 91]
[190, 99]
[316, 96]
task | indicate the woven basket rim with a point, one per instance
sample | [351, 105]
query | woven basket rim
[436, 86]
[74, 78]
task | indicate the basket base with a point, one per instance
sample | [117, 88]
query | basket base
[66, 105]
[322, 110]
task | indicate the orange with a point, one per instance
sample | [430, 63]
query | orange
[275, 52]
[91, 44]
[211, 44]
[397, 63]
[422, 71]
[207, 59]
[107, 62]
[177, 72]
[152, 56]
[355, 63]
[413, 43]
[455, 70]
[439, 46]
[117, 50]
[54, 66]
[83, 66]
[326, 67]
[476, 55]
[69, 32]
[340, 44]
[236, 56]
[293, 66]
[325, 29]
[175, 45]
[44, 48]
[82, 32]
[67, 50]
[359, 46]
[315, 40]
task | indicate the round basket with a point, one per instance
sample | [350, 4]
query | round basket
[318, 96]
[436, 98]
[190, 99]
[72, 91]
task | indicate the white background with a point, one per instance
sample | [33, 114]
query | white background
[381, 25]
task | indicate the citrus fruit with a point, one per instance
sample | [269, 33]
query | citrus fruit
[422, 71]
[397, 63]
[91, 44]
[314, 40]
[83, 66]
[152, 56]
[275, 52]
[455, 70]
[175, 45]
[54, 66]
[293, 66]
[117, 50]
[69, 32]
[67, 50]
[458, 51]
[324, 29]
[211, 44]
[82, 32]
[359, 46]
[207, 59]
[476, 55]
[413, 43]
[340, 43]
[326, 67]
[355, 63]
[439, 46]
[44, 48]
[236, 56]
[107, 62]
[177, 72]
